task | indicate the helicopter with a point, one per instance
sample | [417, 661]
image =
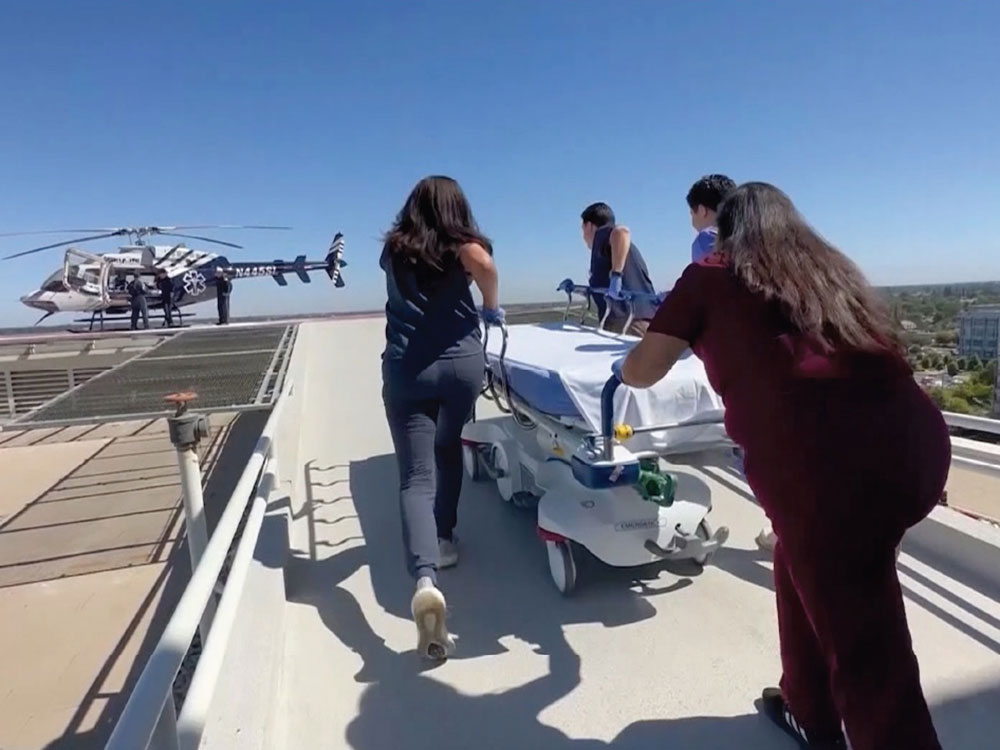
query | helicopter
[97, 283]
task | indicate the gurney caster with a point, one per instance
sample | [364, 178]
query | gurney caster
[562, 564]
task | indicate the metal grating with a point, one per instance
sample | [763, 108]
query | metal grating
[28, 389]
[219, 341]
[230, 370]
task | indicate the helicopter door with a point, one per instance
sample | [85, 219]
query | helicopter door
[85, 273]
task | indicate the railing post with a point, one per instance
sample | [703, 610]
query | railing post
[165, 733]
[11, 405]
[186, 431]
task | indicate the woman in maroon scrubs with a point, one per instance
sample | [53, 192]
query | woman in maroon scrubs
[842, 449]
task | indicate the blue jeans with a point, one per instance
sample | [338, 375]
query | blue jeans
[426, 411]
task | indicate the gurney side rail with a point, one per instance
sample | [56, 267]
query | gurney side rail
[588, 293]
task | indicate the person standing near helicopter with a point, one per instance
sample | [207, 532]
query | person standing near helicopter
[223, 288]
[166, 286]
[137, 301]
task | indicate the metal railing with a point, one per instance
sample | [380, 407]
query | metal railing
[969, 422]
[975, 455]
[149, 719]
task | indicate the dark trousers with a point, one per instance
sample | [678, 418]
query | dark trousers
[846, 652]
[168, 311]
[222, 303]
[139, 308]
[426, 412]
[840, 500]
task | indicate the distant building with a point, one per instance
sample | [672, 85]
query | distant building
[996, 394]
[979, 332]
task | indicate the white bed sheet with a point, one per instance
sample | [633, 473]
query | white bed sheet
[580, 359]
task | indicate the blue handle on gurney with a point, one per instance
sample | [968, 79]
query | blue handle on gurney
[608, 413]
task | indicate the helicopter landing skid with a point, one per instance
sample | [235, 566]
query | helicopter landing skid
[99, 317]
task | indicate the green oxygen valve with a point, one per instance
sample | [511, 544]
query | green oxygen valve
[654, 485]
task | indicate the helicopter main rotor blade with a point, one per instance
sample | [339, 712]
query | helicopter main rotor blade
[220, 226]
[201, 239]
[57, 231]
[116, 233]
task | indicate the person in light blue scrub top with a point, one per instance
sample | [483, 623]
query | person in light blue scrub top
[703, 199]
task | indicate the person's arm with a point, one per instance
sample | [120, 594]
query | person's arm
[621, 241]
[651, 359]
[676, 326]
[480, 266]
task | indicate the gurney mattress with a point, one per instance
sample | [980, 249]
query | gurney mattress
[559, 369]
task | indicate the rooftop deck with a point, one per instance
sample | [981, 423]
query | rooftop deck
[670, 658]
[322, 651]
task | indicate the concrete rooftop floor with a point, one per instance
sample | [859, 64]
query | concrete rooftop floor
[668, 658]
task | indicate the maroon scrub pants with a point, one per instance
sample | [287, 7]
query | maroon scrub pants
[839, 509]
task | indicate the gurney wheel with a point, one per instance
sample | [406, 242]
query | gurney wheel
[473, 462]
[562, 566]
[703, 532]
[500, 466]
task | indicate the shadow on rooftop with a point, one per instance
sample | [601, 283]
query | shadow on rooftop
[228, 454]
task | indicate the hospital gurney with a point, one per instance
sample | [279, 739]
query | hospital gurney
[604, 462]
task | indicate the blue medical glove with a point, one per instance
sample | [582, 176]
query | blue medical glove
[616, 368]
[493, 317]
[615, 286]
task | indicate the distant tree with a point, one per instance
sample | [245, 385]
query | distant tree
[952, 369]
[956, 404]
[937, 361]
[975, 363]
[914, 349]
[948, 291]
[925, 362]
[947, 400]
[987, 375]
[963, 364]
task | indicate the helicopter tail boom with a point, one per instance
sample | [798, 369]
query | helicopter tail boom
[301, 267]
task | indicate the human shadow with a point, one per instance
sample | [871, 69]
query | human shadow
[429, 715]
[433, 716]
[501, 589]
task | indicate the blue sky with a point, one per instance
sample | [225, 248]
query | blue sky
[879, 119]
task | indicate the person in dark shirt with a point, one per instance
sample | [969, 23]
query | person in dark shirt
[432, 373]
[137, 301]
[166, 286]
[223, 290]
[843, 451]
[617, 265]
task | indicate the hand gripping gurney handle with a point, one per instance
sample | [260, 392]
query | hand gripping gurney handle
[507, 405]
[589, 292]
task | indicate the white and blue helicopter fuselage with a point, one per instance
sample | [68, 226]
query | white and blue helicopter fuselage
[89, 283]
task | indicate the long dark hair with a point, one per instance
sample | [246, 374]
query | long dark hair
[434, 223]
[773, 251]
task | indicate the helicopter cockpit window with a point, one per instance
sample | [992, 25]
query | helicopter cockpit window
[54, 283]
[77, 277]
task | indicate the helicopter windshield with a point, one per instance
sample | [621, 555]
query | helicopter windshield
[78, 278]
[54, 283]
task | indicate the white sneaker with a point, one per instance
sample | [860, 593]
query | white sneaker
[428, 608]
[447, 553]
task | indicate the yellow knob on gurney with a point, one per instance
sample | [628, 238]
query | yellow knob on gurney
[623, 432]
